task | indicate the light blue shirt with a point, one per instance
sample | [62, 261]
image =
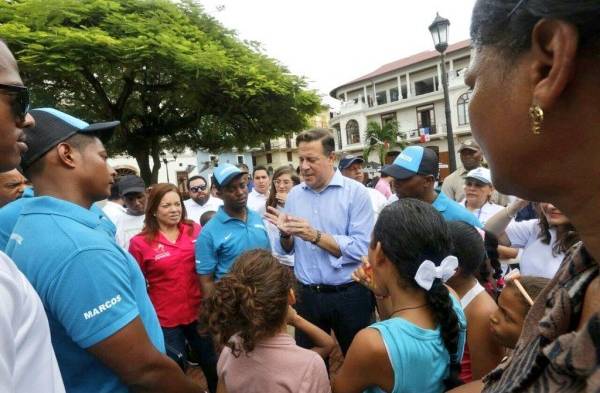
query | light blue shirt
[90, 287]
[9, 214]
[419, 357]
[343, 210]
[454, 211]
[225, 238]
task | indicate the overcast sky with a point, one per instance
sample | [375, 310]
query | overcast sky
[331, 42]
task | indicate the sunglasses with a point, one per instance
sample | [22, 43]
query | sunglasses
[197, 188]
[20, 103]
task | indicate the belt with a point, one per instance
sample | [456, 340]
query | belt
[324, 288]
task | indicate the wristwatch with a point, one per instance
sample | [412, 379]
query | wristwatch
[317, 239]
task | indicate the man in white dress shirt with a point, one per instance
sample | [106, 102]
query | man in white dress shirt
[257, 199]
[200, 200]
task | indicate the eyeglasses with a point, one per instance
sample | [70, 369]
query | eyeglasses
[282, 182]
[198, 188]
[20, 103]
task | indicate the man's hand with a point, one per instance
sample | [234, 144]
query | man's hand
[279, 219]
[301, 228]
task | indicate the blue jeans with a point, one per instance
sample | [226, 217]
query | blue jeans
[201, 344]
[345, 312]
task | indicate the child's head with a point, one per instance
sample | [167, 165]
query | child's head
[251, 300]
[467, 246]
[206, 216]
[408, 233]
[506, 322]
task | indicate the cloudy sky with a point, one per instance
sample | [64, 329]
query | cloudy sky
[331, 42]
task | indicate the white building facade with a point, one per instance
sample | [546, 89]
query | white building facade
[408, 91]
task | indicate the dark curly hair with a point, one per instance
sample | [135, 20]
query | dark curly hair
[567, 238]
[410, 232]
[251, 301]
[467, 246]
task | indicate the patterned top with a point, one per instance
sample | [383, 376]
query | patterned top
[550, 355]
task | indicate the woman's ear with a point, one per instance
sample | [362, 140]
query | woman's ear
[378, 255]
[291, 297]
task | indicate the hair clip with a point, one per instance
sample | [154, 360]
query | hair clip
[513, 276]
[516, 8]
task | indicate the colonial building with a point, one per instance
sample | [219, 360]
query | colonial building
[410, 92]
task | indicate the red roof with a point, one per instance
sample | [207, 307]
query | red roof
[395, 65]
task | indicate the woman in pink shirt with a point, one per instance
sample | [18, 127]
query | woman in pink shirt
[165, 252]
[248, 312]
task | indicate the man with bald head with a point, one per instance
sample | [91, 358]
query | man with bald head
[12, 185]
[27, 360]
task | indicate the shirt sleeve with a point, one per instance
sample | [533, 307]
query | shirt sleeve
[105, 302]
[520, 233]
[135, 250]
[355, 243]
[206, 254]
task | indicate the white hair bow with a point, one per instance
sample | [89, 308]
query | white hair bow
[428, 272]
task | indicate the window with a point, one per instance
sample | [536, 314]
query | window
[462, 106]
[290, 157]
[425, 86]
[352, 132]
[214, 160]
[393, 94]
[381, 98]
[387, 118]
[268, 145]
[426, 119]
[269, 158]
[253, 161]
[288, 142]
[404, 91]
[240, 159]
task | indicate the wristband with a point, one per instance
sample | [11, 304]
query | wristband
[317, 239]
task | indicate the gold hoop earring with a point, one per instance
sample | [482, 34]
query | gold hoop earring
[536, 114]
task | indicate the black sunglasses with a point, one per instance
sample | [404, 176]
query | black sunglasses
[20, 103]
[197, 188]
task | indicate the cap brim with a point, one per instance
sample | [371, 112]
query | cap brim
[135, 189]
[398, 172]
[357, 159]
[104, 130]
[479, 179]
[469, 148]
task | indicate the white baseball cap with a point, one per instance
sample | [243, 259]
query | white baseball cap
[481, 174]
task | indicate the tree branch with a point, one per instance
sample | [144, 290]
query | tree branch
[89, 76]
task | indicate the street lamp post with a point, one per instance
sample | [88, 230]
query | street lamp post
[439, 33]
[163, 157]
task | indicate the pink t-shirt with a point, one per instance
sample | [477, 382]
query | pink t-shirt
[384, 187]
[275, 365]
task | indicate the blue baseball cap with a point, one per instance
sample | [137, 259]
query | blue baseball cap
[412, 161]
[53, 127]
[348, 160]
[224, 173]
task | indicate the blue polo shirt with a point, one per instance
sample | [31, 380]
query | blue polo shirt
[90, 287]
[225, 238]
[9, 214]
[454, 211]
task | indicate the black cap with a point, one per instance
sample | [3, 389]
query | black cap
[414, 160]
[131, 183]
[53, 127]
[348, 160]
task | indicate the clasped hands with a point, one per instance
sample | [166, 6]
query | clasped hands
[290, 225]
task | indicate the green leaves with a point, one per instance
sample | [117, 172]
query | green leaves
[172, 74]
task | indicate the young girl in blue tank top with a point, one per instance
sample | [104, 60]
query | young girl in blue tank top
[418, 345]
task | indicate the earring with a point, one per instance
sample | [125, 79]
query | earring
[536, 114]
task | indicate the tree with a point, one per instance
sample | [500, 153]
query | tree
[382, 138]
[170, 73]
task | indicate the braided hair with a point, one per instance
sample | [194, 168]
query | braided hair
[410, 232]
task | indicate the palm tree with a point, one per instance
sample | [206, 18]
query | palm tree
[382, 139]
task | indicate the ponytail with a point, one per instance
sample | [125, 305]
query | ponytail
[439, 301]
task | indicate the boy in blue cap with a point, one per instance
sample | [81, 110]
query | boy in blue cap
[415, 172]
[104, 329]
[232, 231]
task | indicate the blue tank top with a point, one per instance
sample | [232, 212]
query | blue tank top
[418, 356]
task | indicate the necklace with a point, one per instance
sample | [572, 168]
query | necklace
[407, 308]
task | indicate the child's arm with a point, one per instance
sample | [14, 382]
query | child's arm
[323, 342]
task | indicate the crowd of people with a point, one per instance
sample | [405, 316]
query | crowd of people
[113, 285]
